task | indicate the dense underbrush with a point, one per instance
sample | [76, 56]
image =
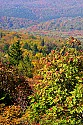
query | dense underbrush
[54, 94]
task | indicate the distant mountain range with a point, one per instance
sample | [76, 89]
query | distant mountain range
[13, 23]
[41, 10]
[60, 24]
[43, 17]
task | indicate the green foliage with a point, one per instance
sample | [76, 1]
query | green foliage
[1, 34]
[32, 37]
[6, 48]
[15, 53]
[27, 46]
[42, 42]
[56, 80]
[25, 67]
[35, 49]
[58, 97]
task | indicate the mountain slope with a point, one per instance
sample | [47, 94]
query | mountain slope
[41, 10]
[60, 24]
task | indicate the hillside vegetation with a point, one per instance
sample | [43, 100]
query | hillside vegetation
[12, 23]
[60, 24]
[41, 80]
[56, 28]
[41, 10]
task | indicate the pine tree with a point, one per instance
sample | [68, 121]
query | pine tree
[42, 42]
[25, 67]
[35, 49]
[6, 47]
[1, 34]
[27, 46]
[15, 53]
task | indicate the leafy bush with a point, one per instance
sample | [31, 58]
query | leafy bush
[58, 97]
[13, 87]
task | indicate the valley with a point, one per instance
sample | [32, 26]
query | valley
[57, 28]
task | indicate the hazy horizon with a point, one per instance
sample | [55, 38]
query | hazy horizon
[41, 9]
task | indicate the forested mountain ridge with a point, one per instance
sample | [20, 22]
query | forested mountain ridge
[41, 10]
[12, 23]
[43, 17]
[60, 24]
[61, 27]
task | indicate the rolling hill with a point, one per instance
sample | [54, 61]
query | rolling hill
[41, 10]
[42, 16]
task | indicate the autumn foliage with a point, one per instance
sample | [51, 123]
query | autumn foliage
[44, 86]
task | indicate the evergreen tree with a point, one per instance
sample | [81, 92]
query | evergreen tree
[15, 53]
[42, 42]
[25, 67]
[27, 46]
[6, 47]
[35, 49]
[1, 34]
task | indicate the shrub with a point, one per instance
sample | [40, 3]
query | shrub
[58, 97]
